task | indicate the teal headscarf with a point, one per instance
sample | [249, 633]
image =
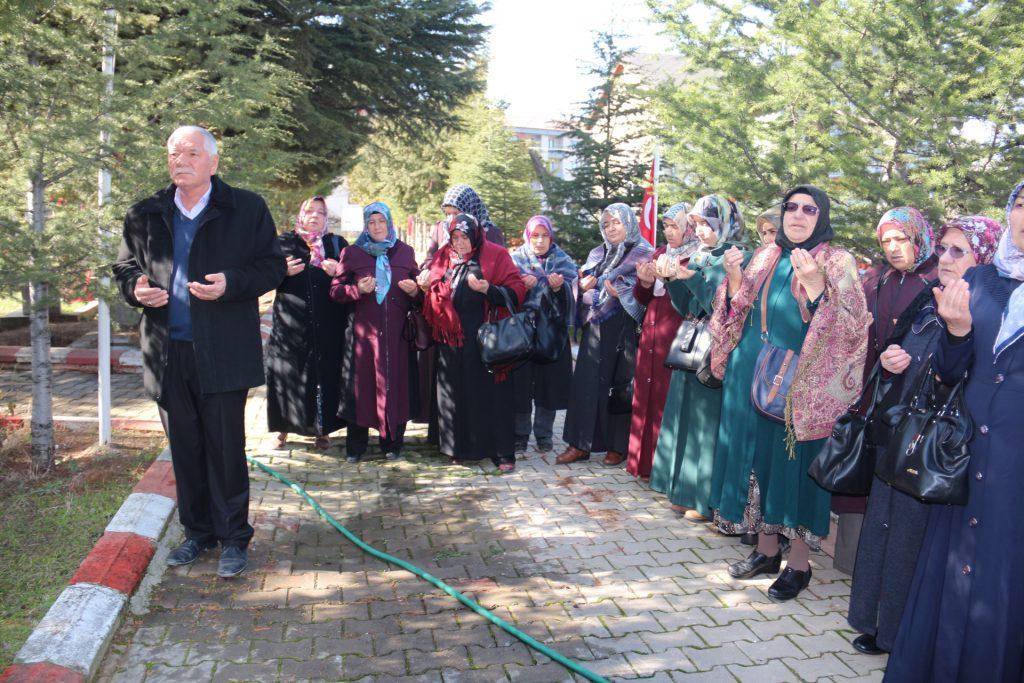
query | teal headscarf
[379, 250]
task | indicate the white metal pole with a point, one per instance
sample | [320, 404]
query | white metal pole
[657, 172]
[103, 316]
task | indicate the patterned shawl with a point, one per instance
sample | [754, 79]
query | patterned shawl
[1009, 261]
[913, 224]
[616, 263]
[379, 250]
[313, 240]
[542, 265]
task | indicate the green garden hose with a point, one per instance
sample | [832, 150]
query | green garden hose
[391, 559]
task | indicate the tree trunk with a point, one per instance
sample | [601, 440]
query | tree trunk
[39, 335]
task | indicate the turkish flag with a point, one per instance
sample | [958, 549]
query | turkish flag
[649, 210]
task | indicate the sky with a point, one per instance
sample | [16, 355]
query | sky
[538, 48]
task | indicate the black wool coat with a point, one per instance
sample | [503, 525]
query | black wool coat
[236, 236]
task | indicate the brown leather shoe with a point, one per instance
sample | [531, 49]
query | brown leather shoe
[572, 454]
[613, 458]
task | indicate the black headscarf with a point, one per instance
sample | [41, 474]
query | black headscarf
[822, 229]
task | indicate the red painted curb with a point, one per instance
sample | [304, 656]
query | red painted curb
[8, 354]
[118, 560]
[12, 421]
[158, 479]
[44, 672]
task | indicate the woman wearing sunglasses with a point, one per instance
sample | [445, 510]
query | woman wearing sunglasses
[807, 298]
[906, 239]
[894, 522]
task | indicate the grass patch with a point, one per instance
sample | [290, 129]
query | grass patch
[49, 521]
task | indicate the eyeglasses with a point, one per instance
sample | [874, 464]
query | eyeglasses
[808, 209]
[955, 253]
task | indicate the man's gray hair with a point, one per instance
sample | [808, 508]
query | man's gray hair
[209, 141]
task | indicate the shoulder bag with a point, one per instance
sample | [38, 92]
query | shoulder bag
[774, 369]
[551, 329]
[508, 340]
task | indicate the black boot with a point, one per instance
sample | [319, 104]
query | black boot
[789, 584]
[748, 539]
[866, 644]
[756, 563]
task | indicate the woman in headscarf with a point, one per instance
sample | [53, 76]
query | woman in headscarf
[894, 523]
[963, 620]
[906, 239]
[650, 383]
[305, 345]
[813, 305]
[689, 431]
[607, 351]
[547, 272]
[767, 224]
[377, 276]
[467, 283]
[462, 199]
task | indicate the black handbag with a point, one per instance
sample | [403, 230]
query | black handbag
[416, 330]
[508, 340]
[774, 369]
[928, 456]
[620, 392]
[846, 463]
[691, 351]
[552, 330]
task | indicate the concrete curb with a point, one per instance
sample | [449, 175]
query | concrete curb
[70, 641]
[71, 358]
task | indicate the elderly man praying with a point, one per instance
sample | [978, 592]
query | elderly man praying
[196, 256]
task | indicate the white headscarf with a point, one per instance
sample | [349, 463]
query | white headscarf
[1009, 261]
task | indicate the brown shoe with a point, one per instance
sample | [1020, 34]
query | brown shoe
[694, 516]
[613, 458]
[572, 454]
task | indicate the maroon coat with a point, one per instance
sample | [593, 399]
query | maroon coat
[661, 322]
[375, 373]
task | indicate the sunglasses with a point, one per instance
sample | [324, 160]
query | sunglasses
[955, 253]
[808, 209]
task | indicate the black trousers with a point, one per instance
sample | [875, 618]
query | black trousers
[206, 433]
[357, 440]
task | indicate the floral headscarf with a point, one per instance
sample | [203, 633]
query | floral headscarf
[913, 224]
[616, 263]
[313, 240]
[1009, 261]
[690, 243]
[379, 250]
[721, 214]
[982, 234]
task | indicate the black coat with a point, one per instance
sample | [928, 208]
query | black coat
[305, 348]
[236, 236]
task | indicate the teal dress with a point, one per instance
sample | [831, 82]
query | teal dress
[789, 501]
[689, 429]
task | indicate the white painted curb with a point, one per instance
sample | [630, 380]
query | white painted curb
[145, 514]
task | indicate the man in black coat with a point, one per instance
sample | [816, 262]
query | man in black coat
[196, 256]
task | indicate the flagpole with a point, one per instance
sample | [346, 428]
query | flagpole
[657, 170]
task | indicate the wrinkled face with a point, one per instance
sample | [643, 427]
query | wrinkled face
[956, 257]
[705, 233]
[540, 240]
[313, 216]
[798, 224]
[377, 227]
[1016, 226]
[461, 243]
[673, 233]
[898, 248]
[614, 230]
[189, 163]
[766, 230]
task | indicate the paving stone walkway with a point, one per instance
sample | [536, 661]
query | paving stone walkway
[583, 558]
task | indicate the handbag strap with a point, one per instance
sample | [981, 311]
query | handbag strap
[765, 288]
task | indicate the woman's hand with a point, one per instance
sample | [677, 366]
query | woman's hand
[367, 285]
[667, 267]
[646, 274]
[587, 283]
[530, 281]
[808, 272]
[955, 307]
[685, 273]
[477, 284]
[895, 359]
[408, 286]
[733, 263]
[555, 281]
[610, 288]
[423, 280]
[295, 265]
[330, 266]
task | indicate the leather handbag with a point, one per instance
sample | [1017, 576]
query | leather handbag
[774, 369]
[620, 392]
[846, 463]
[508, 340]
[691, 351]
[552, 330]
[928, 455]
[416, 330]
